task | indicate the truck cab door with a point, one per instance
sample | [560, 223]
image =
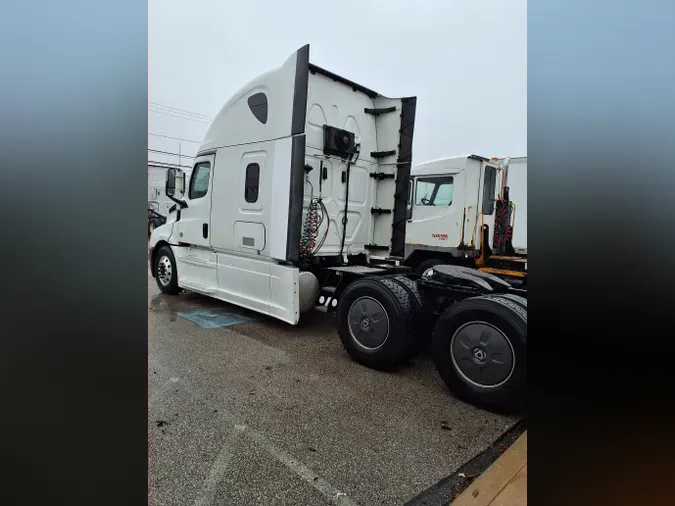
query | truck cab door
[194, 225]
[435, 213]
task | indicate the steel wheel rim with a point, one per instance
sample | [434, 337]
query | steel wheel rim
[482, 354]
[164, 270]
[368, 323]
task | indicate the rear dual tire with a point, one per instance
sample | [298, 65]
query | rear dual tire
[376, 320]
[480, 350]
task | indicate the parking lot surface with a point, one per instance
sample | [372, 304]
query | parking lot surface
[249, 410]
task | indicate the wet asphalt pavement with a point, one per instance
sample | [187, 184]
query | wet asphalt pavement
[265, 413]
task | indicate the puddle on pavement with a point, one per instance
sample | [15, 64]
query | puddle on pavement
[203, 311]
[183, 301]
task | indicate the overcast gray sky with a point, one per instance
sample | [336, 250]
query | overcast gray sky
[465, 60]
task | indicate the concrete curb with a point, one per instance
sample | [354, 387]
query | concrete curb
[503, 483]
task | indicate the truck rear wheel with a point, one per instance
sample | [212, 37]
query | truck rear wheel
[421, 319]
[166, 273]
[375, 322]
[521, 301]
[480, 350]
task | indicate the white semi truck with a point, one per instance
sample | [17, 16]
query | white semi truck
[298, 200]
[453, 199]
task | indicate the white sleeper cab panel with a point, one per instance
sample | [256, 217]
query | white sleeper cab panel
[388, 136]
[243, 185]
[376, 123]
[279, 175]
[249, 236]
[258, 138]
[335, 104]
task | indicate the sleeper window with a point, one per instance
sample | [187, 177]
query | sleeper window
[252, 183]
[258, 105]
[199, 185]
[434, 191]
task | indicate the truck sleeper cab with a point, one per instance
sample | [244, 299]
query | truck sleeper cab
[292, 137]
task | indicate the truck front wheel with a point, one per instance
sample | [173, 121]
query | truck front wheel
[480, 350]
[165, 271]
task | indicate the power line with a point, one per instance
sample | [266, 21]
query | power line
[168, 153]
[176, 138]
[181, 117]
[181, 111]
[155, 163]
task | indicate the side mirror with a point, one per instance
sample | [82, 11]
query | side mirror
[170, 182]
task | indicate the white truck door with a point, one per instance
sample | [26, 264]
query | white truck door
[194, 224]
[437, 205]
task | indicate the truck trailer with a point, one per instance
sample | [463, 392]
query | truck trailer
[299, 200]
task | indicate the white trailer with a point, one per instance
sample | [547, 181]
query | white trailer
[298, 200]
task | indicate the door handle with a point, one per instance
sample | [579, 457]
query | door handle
[205, 230]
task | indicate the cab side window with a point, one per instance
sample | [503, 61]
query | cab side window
[434, 191]
[199, 184]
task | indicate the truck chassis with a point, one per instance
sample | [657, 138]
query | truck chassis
[474, 322]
